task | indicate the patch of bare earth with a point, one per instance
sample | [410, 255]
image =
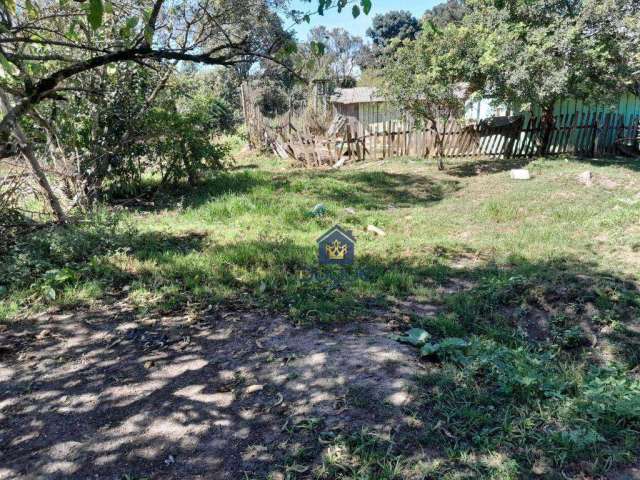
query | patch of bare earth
[101, 394]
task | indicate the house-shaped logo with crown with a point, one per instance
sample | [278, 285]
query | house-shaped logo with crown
[337, 246]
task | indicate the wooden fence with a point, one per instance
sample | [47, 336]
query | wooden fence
[590, 133]
[585, 134]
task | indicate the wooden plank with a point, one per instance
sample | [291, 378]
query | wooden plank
[457, 139]
[464, 142]
[575, 141]
[374, 149]
[570, 132]
[556, 131]
[603, 141]
[593, 136]
[387, 139]
[402, 138]
[582, 132]
[533, 137]
[445, 136]
[494, 141]
[527, 139]
[564, 131]
[522, 139]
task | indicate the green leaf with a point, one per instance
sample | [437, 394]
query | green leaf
[429, 349]
[416, 337]
[50, 293]
[288, 48]
[95, 13]
[32, 10]
[3, 290]
[318, 48]
[9, 6]
[453, 343]
[6, 67]
[366, 6]
[306, 18]
[129, 25]
[355, 11]
[434, 28]
[148, 35]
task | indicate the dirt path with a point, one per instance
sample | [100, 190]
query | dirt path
[101, 395]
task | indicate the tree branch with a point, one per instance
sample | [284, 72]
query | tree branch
[48, 85]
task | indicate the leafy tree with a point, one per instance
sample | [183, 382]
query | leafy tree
[533, 54]
[339, 56]
[392, 26]
[134, 121]
[528, 54]
[422, 78]
[445, 13]
[51, 51]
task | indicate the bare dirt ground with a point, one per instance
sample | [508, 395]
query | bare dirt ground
[101, 394]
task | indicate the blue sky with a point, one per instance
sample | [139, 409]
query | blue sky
[332, 19]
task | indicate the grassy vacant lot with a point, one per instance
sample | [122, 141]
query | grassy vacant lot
[539, 278]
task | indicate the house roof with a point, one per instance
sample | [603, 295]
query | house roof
[337, 228]
[371, 95]
[356, 95]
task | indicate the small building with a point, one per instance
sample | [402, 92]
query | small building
[364, 106]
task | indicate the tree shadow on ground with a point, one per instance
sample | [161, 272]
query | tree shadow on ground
[371, 190]
[237, 389]
[366, 190]
[234, 181]
[473, 168]
[483, 167]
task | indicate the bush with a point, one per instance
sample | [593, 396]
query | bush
[53, 257]
[142, 125]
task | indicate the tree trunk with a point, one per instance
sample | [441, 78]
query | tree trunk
[26, 149]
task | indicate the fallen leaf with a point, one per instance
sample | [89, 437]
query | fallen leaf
[43, 334]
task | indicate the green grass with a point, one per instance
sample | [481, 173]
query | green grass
[520, 400]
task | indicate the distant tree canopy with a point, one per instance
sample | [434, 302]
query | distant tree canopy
[45, 44]
[339, 58]
[534, 53]
[445, 13]
[394, 25]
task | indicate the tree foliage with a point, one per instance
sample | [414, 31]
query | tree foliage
[396, 25]
[339, 58]
[423, 77]
[82, 75]
[534, 53]
[445, 13]
[528, 54]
